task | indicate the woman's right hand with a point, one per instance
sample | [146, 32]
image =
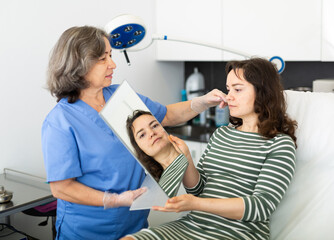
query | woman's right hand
[125, 199]
[191, 176]
[179, 144]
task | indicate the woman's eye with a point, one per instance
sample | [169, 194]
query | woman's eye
[141, 135]
[102, 59]
[237, 90]
[155, 125]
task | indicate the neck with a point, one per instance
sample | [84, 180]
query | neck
[166, 156]
[249, 125]
[93, 98]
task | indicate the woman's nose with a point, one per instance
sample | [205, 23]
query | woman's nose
[228, 96]
[111, 63]
[152, 133]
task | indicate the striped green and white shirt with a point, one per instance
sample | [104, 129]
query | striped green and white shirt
[235, 164]
[172, 176]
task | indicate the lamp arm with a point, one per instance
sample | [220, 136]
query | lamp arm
[177, 39]
[278, 60]
[207, 44]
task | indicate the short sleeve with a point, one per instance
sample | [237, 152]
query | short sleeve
[157, 109]
[60, 153]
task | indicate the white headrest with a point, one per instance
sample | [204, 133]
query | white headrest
[307, 209]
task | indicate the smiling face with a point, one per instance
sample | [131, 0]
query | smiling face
[100, 75]
[149, 134]
[241, 96]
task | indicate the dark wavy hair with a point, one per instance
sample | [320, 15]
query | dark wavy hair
[154, 167]
[270, 104]
[74, 54]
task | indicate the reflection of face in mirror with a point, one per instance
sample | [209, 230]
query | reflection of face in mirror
[154, 150]
[151, 137]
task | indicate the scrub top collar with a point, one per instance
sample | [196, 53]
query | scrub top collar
[90, 112]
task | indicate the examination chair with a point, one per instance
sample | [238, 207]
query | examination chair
[306, 212]
[307, 209]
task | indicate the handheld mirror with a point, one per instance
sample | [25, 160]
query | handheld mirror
[146, 139]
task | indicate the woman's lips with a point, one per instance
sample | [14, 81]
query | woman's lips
[157, 139]
[109, 76]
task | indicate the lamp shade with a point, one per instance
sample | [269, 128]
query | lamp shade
[125, 31]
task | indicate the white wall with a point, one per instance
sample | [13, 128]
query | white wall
[28, 31]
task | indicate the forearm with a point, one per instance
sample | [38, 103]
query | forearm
[191, 175]
[232, 208]
[72, 191]
[178, 113]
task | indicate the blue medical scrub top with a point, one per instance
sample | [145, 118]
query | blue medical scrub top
[77, 143]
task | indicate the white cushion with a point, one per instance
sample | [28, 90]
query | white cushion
[307, 209]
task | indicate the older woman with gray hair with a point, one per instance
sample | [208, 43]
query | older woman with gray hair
[91, 173]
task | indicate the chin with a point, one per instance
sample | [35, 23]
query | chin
[107, 83]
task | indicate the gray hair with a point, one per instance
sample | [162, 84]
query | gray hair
[74, 54]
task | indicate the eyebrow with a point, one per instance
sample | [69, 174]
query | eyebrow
[142, 129]
[236, 84]
[153, 121]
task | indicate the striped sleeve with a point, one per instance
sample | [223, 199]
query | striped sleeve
[171, 177]
[273, 180]
[197, 190]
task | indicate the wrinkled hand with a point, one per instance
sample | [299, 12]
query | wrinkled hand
[179, 144]
[211, 99]
[125, 199]
[185, 202]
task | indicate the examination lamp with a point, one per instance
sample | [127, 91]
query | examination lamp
[126, 31]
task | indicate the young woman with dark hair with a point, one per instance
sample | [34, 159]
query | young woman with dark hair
[246, 167]
[269, 104]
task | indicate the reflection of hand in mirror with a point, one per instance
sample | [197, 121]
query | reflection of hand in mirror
[180, 144]
[112, 200]
[155, 151]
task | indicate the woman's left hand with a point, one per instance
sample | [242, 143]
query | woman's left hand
[185, 202]
[216, 97]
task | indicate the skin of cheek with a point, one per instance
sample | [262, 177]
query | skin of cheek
[146, 146]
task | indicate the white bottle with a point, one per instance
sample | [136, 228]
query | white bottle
[222, 116]
[195, 87]
[195, 84]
